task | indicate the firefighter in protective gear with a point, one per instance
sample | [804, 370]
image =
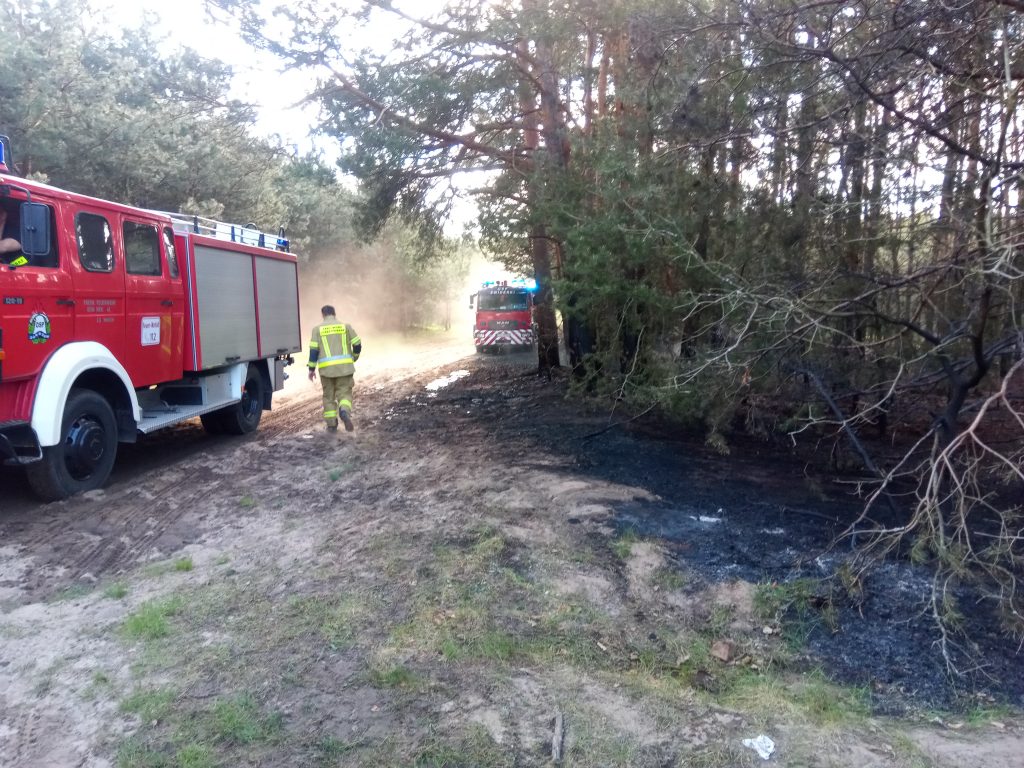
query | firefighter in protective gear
[333, 351]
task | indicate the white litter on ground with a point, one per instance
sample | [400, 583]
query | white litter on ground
[763, 745]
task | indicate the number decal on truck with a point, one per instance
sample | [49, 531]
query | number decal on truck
[150, 331]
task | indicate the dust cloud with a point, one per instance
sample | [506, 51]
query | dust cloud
[401, 330]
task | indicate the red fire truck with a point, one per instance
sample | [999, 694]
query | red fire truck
[504, 315]
[117, 321]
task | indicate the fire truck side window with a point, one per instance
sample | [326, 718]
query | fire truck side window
[172, 255]
[95, 242]
[141, 249]
[11, 230]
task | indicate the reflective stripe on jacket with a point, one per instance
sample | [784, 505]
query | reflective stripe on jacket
[334, 348]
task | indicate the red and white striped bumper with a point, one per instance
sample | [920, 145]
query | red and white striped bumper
[496, 338]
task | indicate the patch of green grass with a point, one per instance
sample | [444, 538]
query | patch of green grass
[622, 545]
[134, 753]
[330, 749]
[394, 676]
[222, 560]
[239, 720]
[984, 714]
[116, 591]
[247, 502]
[74, 592]
[717, 623]
[163, 567]
[908, 750]
[337, 619]
[670, 579]
[796, 606]
[480, 600]
[773, 600]
[718, 755]
[596, 743]
[811, 698]
[150, 703]
[827, 703]
[195, 756]
[183, 564]
[473, 748]
[489, 645]
[150, 621]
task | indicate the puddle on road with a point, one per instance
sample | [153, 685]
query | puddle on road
[446, 381]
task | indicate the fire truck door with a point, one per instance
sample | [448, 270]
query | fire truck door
[36, 315]
[99, 282]
[154, 304]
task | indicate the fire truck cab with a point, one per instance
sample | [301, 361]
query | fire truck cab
[117, 321]
[504, 315]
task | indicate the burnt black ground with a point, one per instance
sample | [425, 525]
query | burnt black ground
[757, 515]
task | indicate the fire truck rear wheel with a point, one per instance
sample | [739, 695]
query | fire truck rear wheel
[84, 457]
[244, 416]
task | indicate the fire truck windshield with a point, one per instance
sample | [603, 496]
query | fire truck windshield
[505, 301]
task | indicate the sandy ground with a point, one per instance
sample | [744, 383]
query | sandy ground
[416, 593]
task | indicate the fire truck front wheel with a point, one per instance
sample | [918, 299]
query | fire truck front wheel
[84, 457]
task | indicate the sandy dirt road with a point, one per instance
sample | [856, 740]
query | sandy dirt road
[400, 359]
[465, 580]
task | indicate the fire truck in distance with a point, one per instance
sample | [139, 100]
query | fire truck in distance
[504, 314]
[117, 321]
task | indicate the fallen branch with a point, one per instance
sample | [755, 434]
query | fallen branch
[558, 738]
[618, 424]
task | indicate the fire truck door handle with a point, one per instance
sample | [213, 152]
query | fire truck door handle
[66, 302]
[166, 303]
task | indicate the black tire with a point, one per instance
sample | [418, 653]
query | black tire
[244, 416]
[85, 455]
[213, 422]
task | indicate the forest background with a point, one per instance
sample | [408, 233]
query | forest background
[795, 220]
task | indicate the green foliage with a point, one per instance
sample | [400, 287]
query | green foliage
[240, 720]
[116, 591]
[623, 544]
[150, 704]
[475, 747]
[150, 621]
[196, 756]
[393, 676]
[97, 112]
[74, 592]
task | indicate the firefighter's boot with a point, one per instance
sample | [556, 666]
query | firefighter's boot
[346, 420]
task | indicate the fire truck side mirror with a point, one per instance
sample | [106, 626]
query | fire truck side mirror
[470, 301]
[35, 229]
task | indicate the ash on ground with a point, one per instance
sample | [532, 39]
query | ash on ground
[758, 517]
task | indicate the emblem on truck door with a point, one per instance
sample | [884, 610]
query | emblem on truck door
[39, 328]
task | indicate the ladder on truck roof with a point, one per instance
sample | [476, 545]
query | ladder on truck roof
[236, 233]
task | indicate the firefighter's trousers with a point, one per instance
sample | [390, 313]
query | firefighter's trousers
[337, 394]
